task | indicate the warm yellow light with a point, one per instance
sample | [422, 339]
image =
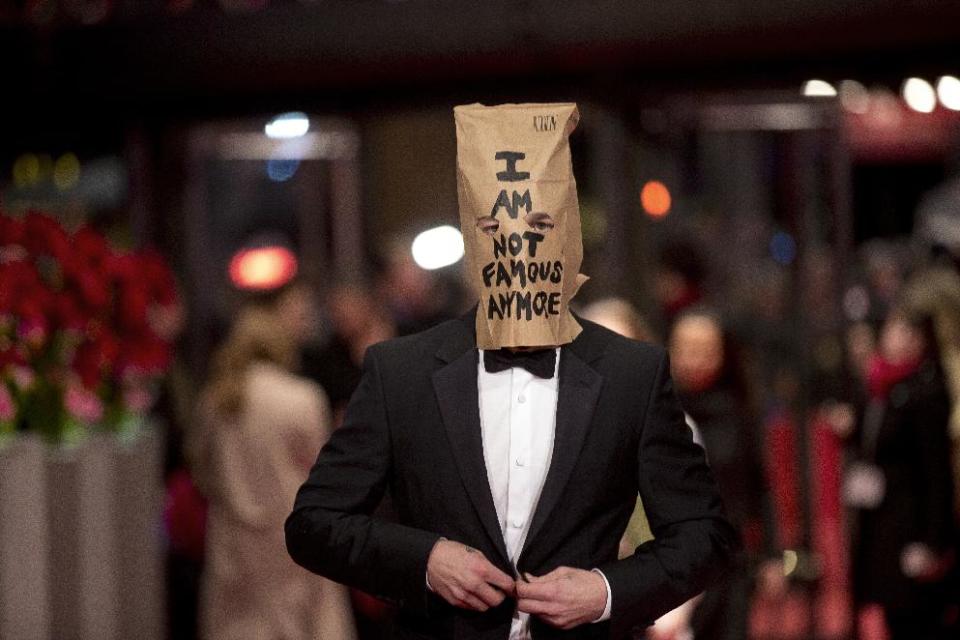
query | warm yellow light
[26, 171]
[655, 198]
[262, 268]
[66, 171]
[790, 561]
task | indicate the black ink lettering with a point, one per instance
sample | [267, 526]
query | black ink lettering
[503, 201]
[557, 274]
[517, 271]
[492, 308]
[521, 200]
[540, 302]
[487, 273]
[532, 272]
[511, 174]
[512, 206]
[503, 275]
[515, 243]
[506, 302]
[500, 248]
[523, 304]
[533, 238]
[553, 306]
[544, 270]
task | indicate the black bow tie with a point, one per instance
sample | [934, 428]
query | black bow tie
[540, 362]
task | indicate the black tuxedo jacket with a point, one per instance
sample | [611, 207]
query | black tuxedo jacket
[413, 426]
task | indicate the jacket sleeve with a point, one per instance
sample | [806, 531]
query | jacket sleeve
[331, 530]
[694, 543]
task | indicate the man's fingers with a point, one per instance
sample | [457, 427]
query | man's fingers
[537, 607]
[478, 564]
[498, 578]
[556, 574]
[490, 596]
[460, 597]
[544, 591]
[471, 601]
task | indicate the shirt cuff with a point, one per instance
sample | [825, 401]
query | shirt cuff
[606, 609]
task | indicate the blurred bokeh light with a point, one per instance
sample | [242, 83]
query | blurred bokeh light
[262, 267]
[655, 198]
[438, 247]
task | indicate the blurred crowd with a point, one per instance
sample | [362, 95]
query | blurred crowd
[842, 479]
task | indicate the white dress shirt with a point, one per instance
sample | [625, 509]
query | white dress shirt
[518, 414]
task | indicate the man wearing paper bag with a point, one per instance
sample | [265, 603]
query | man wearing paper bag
[515, 439]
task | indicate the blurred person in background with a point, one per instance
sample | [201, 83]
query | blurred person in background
[885, 263]
[260, 428]
[714, 396]
[899, 485]
[936, 289]
[416, 298]
[184, 512]
[619, 315]
[679, 279]
[357, 320]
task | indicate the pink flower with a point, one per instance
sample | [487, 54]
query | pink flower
[8, 409]
[90, 321]
[24, 377]
[82, 404]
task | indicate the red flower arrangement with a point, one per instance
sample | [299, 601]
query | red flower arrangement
[85, 330]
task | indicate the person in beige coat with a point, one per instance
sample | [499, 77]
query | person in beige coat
[261, 427]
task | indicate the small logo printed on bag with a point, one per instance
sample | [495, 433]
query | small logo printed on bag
[545, 122]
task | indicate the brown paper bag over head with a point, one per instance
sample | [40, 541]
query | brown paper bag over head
[520, 220]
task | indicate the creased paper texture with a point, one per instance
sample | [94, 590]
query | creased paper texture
[521, 221]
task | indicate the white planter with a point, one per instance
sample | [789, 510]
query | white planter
[84, 585]
[24, 595]
[139, 492]
[81, 551]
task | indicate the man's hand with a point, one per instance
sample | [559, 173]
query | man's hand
[463, 577]
[563, 598]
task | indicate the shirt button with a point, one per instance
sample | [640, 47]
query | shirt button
[521, 462]
[517, 523]
[522, 398]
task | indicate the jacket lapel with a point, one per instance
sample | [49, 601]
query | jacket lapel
[455, 385]
[579, 389]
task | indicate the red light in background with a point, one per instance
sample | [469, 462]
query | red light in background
[262, 268]
[655, 198]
